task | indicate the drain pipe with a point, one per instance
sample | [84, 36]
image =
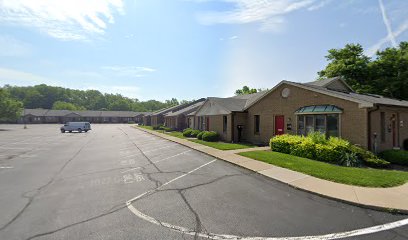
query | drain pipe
[370, 147]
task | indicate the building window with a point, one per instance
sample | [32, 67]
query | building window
[327, 124]
[301, 125]
[382, 122]
[256, 124]
[224, 125]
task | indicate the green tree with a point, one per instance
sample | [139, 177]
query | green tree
[59, 105]
[10, 109]
[386, 74]
[245, 90]
[351, 64]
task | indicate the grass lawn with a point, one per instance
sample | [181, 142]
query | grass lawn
[146, 127]
[176, 134]
[365, 177]
[223, 145]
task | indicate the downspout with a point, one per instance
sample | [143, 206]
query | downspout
[232, 126]
[369, 125]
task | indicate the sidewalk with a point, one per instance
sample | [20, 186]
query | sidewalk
[395, 198]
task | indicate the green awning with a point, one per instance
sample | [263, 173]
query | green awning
[319, 109]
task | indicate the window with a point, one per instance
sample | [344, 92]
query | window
[320, 123]
[382, 122]
[301, 125]
[325, 123]
[256, 125]
[224, 126]
[332, 125]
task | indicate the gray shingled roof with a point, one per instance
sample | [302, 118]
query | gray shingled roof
[186, 110]
[86, 113]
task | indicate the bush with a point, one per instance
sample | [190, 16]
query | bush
[200, 135]
[284, 143]
[166, 129]
[157, 127]
[194, 133]
[210, 136]
[368, 158]
[187, 132]
[306, 148]
[396, 156]
[333, 150]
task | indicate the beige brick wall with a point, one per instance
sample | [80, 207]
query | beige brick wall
[353, 120]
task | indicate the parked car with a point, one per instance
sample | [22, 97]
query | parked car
[76, 126]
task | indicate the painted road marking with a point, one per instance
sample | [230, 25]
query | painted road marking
[183, 230]
[5, 167]
[160, 148]
[132, 169]
[161, 160]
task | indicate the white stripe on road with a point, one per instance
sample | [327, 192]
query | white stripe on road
[6, 167]
[131, 169]
[183, 230]
[161, 160]
[160, 148]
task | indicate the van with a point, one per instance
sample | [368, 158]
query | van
[76, 126]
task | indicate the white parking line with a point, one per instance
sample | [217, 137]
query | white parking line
[161, 160]
[5, 167]
[160, 148]
[191, 232]
[130, 169]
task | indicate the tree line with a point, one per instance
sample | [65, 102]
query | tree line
[50, 97]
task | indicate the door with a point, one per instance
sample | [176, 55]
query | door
[208, 124]
[394, 131]
[279, 125]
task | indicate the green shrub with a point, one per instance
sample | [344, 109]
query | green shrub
[131, 122]
[200, 135]
[395, 156]
[210, 136]
[157, 127]
[368, 158]
[284, 143]
[327, 153]
[306, 148]
[187, 132]
[349, 159]
[166, 129]
[194, 133]
[317, 137]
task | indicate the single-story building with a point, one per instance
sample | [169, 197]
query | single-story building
[329, 106]
[157, 118]
[178, 120]
[63, 116]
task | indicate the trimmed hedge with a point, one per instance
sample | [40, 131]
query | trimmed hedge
[194, 133]
[210, 136]
[333, 150]
[396, 156]
[167, 129]
[200, 135]
[187, 132]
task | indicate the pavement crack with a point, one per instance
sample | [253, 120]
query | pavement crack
[199, 226]
[38, 190]
[110, 211]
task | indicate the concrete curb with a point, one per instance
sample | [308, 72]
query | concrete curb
[393, 199]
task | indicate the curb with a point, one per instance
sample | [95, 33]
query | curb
[368, 206]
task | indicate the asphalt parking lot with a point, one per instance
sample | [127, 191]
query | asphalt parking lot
[117, 182]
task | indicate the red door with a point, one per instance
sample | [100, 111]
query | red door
[279, 125]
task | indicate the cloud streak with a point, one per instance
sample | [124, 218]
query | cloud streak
[387, 24]
[65, 20]
[268, 13]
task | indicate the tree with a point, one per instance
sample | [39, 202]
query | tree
[10, 109]
[59, 105]
[172, 102]
[351, 64]
[245, 90]
[386, 74]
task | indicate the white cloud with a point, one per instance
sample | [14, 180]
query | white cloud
[269, 13]
[391, 34]
[319, 5]
[387, 24]
[129, 71]
[62, 19]
[11, 47]
[16, 77]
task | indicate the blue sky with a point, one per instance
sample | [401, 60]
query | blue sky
[186, 49]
